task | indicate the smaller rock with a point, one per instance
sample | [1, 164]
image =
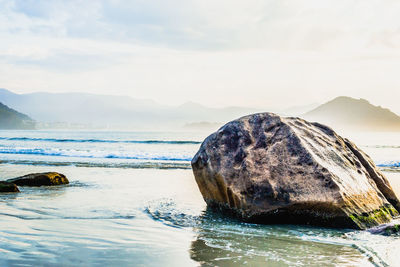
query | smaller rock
[39, 179]
[387, 229]
[8, 187]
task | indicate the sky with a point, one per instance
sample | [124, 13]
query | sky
[254, 53]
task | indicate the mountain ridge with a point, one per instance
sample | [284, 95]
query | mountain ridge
[14, 120]
[115, 111]
[358, 114]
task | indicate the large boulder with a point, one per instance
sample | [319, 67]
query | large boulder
[8, 187]
[39, 179]
[264, 168]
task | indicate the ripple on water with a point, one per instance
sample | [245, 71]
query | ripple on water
[167, 212]
[226, 242]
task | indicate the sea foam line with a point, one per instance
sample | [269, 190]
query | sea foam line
[389, 164]
[61, 140]
[91, 154]
[130, 165]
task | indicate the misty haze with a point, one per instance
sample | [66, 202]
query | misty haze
[199, 133]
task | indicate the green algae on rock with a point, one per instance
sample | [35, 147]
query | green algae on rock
[381, 216]
[267, 169]
[40, 179]
[8, 187]
[387, 229]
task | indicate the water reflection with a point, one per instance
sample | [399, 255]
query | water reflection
[222, 242]
[5, 196]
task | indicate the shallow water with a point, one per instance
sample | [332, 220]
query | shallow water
[141, 215]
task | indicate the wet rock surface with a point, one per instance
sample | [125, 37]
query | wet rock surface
[387, 229]
[268, 169]
[40, 179]
[8, 187]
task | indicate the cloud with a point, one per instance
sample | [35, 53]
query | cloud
[226, 52]
[206, 24]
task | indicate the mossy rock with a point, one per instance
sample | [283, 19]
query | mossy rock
[8, 187]
[392, 229]
[40, 179]
[380, 216]
[386, 229]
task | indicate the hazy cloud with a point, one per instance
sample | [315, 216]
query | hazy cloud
[304, 24]
[300, 51]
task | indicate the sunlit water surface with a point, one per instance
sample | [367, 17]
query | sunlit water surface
[133, 201]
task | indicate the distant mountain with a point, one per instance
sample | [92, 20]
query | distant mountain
[354, 114]
[12, 119]
[114, 111]
[77, 107]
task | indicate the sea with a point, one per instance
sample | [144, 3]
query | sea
[133, 201]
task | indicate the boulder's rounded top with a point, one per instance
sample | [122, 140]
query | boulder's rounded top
[263, 163]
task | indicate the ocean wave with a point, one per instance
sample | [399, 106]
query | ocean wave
[167, 212]
[91, 154]
[390, 164]
[61, 140]
[58, 216]
[130, 165]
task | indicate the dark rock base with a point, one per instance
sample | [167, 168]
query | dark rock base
[40, 179]
[317, 215]
[8, 187]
